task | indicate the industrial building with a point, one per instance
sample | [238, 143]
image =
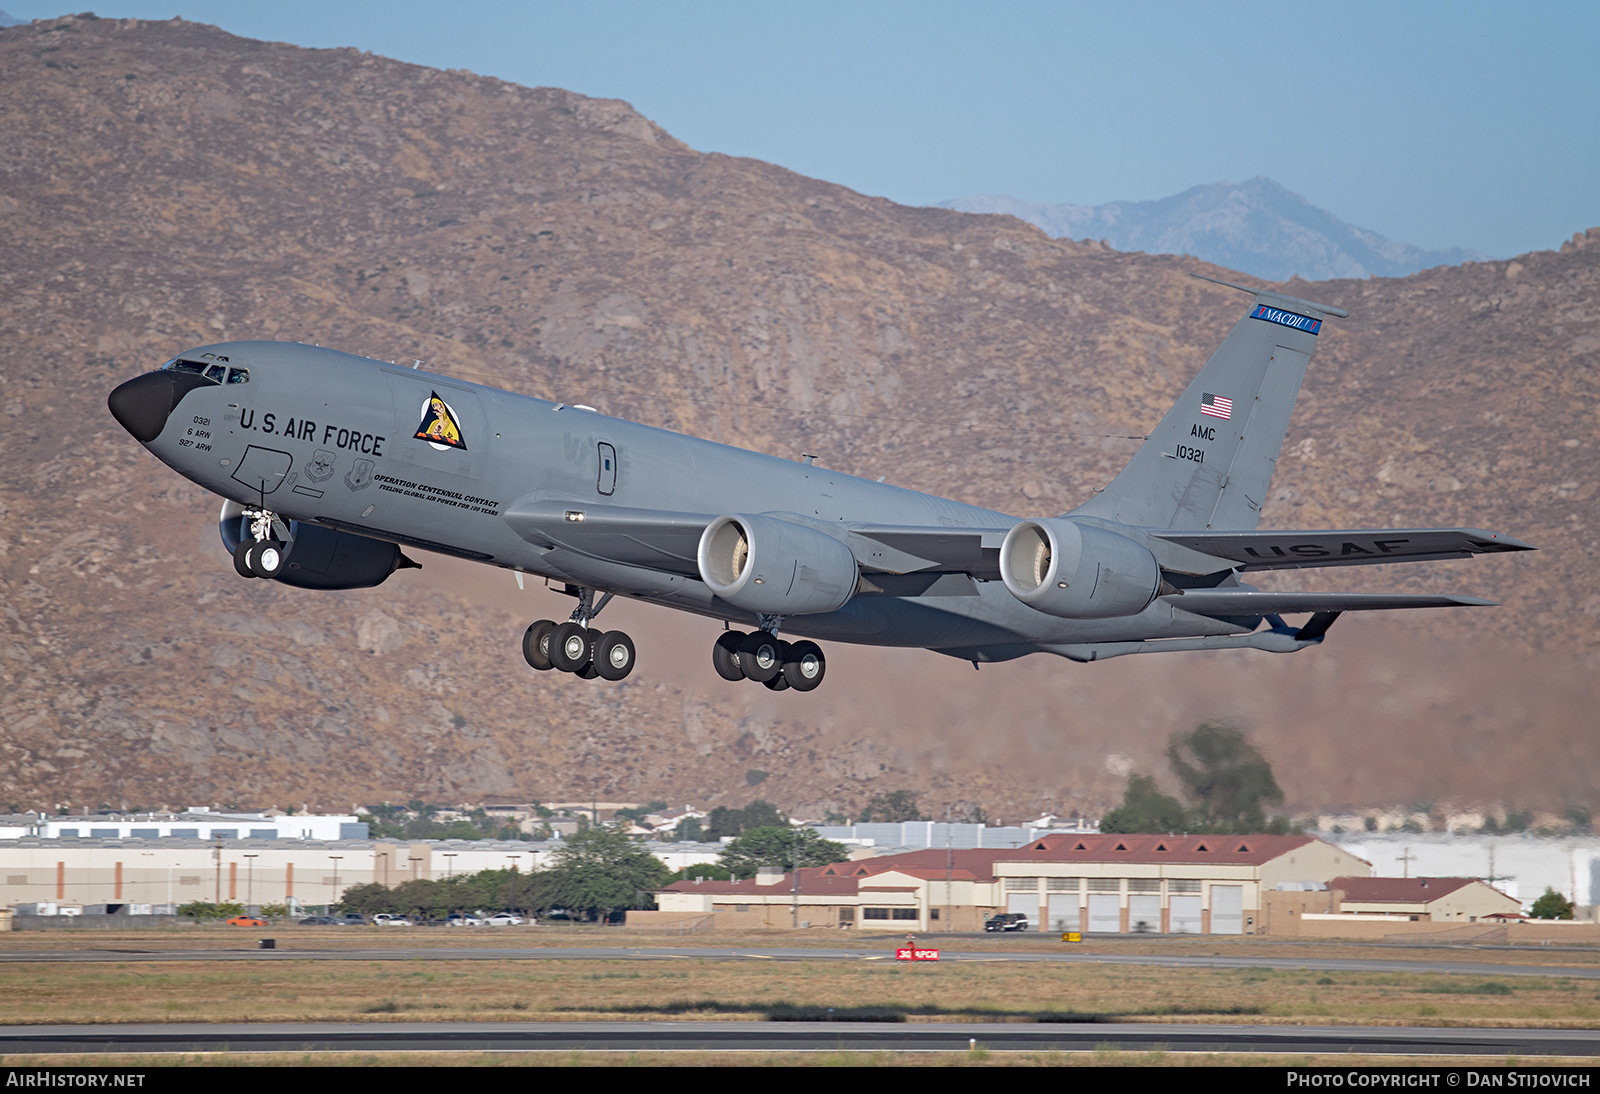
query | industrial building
[1102, 883]
[72, 872]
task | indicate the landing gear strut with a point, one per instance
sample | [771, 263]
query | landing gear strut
[261, 555]
[763, 658]
[576, 647]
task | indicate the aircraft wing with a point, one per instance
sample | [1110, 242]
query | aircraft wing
[668, 541]
[649, 538]
[1247, 602]
[904, 549]
[1296, 550]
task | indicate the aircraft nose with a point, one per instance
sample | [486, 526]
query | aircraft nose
[142, 404]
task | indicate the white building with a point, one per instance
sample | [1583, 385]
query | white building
[193, 823]
[1521, 866]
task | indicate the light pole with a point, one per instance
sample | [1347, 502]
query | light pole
[335, 859]
[250, 881]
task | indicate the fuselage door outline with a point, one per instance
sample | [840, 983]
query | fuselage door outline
[607, 482]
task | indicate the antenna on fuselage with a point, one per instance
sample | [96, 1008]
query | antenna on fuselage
[416, 366]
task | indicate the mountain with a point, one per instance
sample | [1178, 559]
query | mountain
[164, 185]
[1257, 226]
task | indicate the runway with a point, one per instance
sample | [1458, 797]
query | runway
[792, 1037]
[671, 953]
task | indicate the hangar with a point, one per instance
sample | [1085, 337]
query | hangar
[1101, 883]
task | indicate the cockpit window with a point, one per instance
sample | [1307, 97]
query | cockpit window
[217, 373]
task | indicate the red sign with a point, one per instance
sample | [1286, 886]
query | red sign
[907, 953]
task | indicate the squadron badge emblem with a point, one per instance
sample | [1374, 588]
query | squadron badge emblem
[439, 426]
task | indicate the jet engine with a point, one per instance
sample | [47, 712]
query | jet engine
[320, 558]
[768, 565]
[1077, 571]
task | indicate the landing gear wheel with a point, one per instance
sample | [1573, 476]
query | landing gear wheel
[777, 683]
[804, 665]
[725, 656]
[241, 558]
[570, 647]
[536, 644]
[265, 558]
[613, 655]
[761, 656]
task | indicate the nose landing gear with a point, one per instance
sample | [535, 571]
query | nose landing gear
[262, 555]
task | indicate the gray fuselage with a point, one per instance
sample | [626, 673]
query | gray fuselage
[318, 435]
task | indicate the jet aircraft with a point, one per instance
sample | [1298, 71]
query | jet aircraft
[330, 464]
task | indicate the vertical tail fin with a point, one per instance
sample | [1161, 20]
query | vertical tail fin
[1209, 462]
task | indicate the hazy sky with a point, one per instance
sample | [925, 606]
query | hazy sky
[1440, 124]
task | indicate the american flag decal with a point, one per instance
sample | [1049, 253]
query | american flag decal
[1218, 406]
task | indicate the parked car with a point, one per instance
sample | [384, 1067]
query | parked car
[384, 919]
[319, 921]
[457, 919]
[1006, 921]
[247, 921]
[351, 919]
[505, 919]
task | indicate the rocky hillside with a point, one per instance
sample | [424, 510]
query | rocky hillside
[166, 184]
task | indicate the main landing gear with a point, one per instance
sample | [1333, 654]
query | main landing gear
[576, 647]
[262, 555]
[763, 657]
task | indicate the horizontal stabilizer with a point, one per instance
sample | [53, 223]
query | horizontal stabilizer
[1236, 603]
[1297, 550]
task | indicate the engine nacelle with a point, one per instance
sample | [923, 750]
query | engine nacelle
[1077, 571]
[316, 557]
[769, 565]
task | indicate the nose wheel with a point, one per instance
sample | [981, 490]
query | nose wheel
[262, 555]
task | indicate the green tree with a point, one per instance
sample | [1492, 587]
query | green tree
[782, 847]
[894, 808]
[1226, 776]
[708, 871]
[731, 822]
[691, 830]
[638, 813]
[368, 899]
[1552, 905]
[203, 910]
[1146, 809]
[600, 871]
